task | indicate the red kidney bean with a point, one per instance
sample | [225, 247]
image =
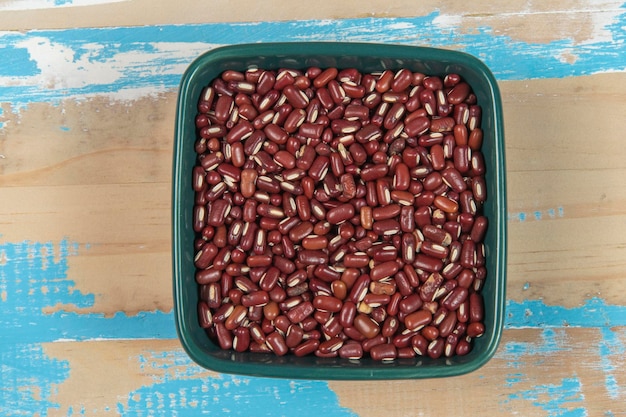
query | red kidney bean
[306, 348]
[479, 229]
[384, 270]
[462, 313]
[459, 93]
[435, 348]
[368, 344]
[384, 352]
[419, 344]
[324, 77]
[408, 248]
[351, 350]
[410, 303]
[475, 139]
[224, 336]
[435, 250]
[462, 348]
[366, 325]
[476, 307]
[205, 315]
[468, 254]
[312, 257]
[386, 227]
[327, 303]
[454, 299]
[430, 287]
[276, 342]
[479, 189]
[223, 108]
[340, 214]
[417, 320]
[329, 346]
[327, 192]
[447, 324]
[300, 312]
[462, 157]
[386, 212]
[475, 329]
[442, 124]
[427, 263]
[445, 204]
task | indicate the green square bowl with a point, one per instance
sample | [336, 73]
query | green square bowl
[366, 58]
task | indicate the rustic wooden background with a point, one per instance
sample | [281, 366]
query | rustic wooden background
[87, 102]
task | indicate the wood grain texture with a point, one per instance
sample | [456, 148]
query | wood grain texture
[532, 370]
[87, 104]
[81, 181]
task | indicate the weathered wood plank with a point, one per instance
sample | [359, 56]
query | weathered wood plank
[104, 184]
[568, 371]
[49, 65]
[86, 125]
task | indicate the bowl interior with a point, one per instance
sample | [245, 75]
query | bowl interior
[366, 58]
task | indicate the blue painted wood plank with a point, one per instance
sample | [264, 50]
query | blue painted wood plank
[50, 65]
[29, 267]
[30, 380]
[34, 278]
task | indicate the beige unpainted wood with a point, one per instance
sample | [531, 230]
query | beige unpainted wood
[105, 184]
[97, 171]
[510, 384]
[578, 20]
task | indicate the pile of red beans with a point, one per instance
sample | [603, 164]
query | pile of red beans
[339, 214]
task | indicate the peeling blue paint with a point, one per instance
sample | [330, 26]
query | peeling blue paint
[29, 378]
[611, 346]
[190, 390]
[154, 57]
[33, 277]
[536, 215]
[514, 352]
[26, 268]
[556, 399]
[535, 313]
[519, 355]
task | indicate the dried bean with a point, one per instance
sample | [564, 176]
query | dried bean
[340, 206]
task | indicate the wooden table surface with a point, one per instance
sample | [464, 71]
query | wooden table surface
[87, 103]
